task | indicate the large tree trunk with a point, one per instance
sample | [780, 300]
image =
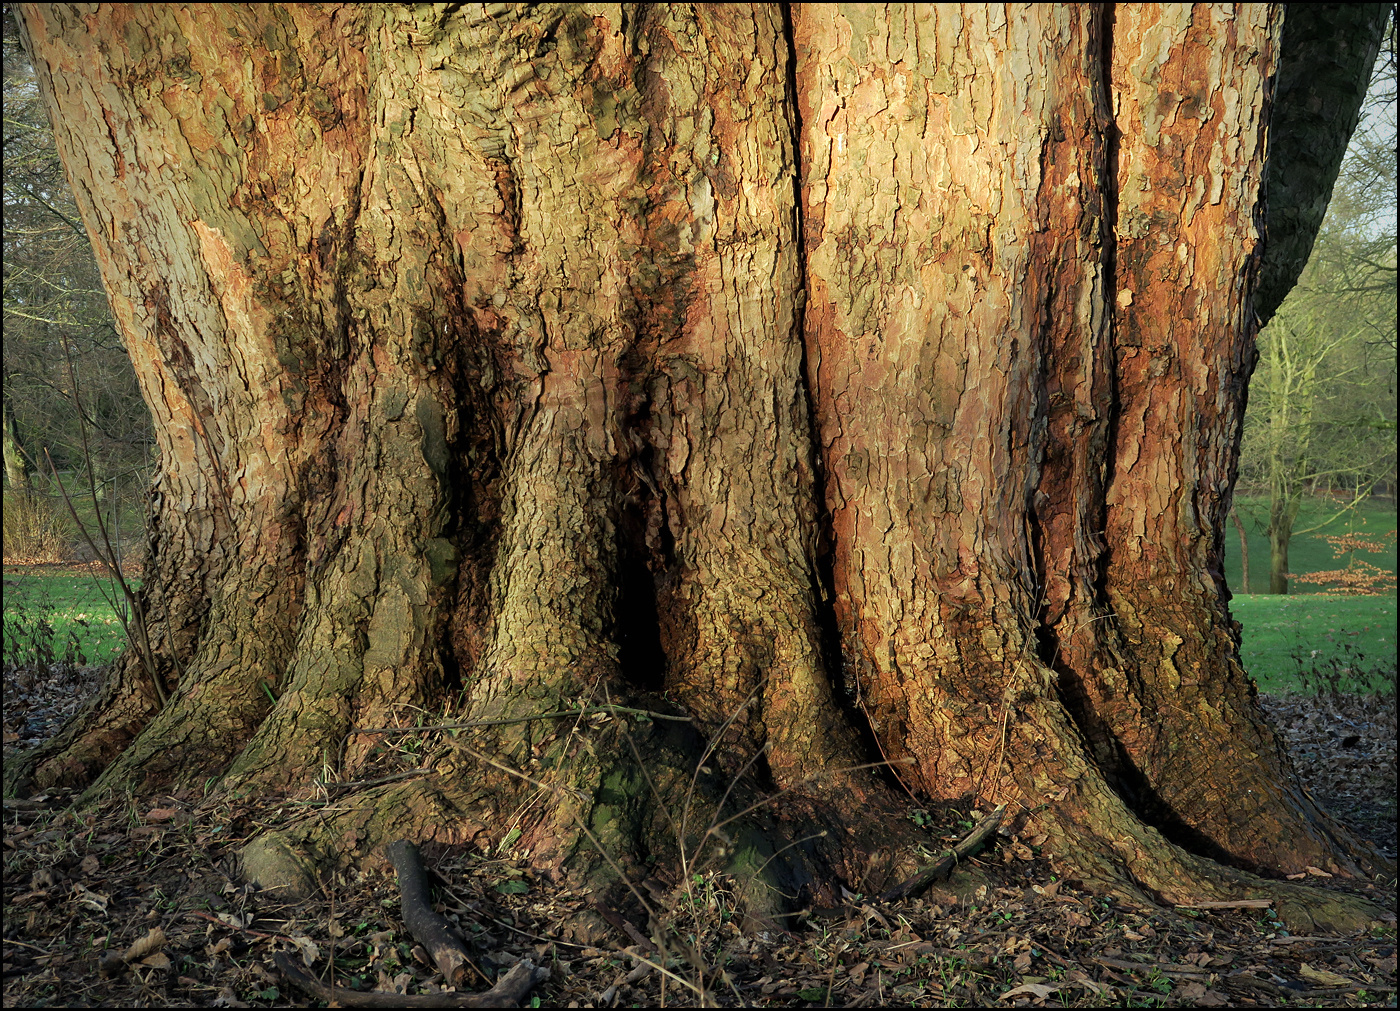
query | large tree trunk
[858, 382]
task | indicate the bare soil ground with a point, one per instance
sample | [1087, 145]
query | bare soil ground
[137, 903]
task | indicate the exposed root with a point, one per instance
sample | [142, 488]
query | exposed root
[91, 741]
[612, 816]
[1140, 866]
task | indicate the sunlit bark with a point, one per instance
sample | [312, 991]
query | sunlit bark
[861, 382]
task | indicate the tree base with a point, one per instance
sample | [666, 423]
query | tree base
[634, 814]
[626, 807]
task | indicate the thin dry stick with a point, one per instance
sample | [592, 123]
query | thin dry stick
[969, 845]
[802, 782]
[688, 862]
[710, 747]
[470, 724]
[995, 775]
[140, 641]
[860, 701]
[109, 558]
[987, 772]
[646, 774]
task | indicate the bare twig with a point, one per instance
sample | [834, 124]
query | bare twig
[557, 714]
[140, 640]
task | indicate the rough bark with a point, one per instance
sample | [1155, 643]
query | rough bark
[857, 383]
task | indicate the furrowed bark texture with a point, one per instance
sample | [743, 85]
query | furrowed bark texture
[863, 381]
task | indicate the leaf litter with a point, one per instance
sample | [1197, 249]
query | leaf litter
[138, 904]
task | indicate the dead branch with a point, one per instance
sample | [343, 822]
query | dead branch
[432, 930]
[509, 990]
[969, 845]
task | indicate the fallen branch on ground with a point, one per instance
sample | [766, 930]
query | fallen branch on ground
[969, 845]
[434, 932]
[509, 990]
[431, 930]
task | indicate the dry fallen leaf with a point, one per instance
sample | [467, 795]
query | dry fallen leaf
[109, 964]
[1316, 872]
[93, 900]
[1076, 976]
[90, 864]
[152, 942]
[159, 960]
[1322, 976]
[1386, 965]
[309, 951]
[1035, 989]
[161, 813]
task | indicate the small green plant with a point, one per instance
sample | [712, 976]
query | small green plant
[31, 642]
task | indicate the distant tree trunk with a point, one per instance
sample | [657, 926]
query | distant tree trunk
[1282, 513]
[1244, 551]
[16, 466]
[856, 381]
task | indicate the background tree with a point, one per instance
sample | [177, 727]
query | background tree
[58, 328]
[842, 382]
[1322, 403]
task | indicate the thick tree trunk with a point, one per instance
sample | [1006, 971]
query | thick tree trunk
[851, 381]
[1329, 51]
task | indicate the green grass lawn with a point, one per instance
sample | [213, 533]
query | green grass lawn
[1292, 641]
[60, 617]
